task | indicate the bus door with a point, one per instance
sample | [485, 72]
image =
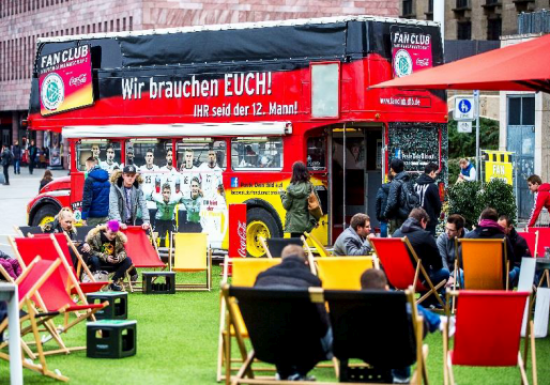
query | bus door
[355, 175]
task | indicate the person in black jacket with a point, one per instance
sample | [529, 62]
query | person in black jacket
[381, 200]
[5, 158]
[423, 243]
[293, 271]
[16, 151]
[428, 193]
[33, 152]
[397, 208]
[519, 244]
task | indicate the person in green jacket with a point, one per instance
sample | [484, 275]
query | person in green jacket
[298, 218]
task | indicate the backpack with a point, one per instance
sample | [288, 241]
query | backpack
[408, 198]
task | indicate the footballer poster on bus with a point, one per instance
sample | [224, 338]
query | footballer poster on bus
[411, 51]
[65, 80]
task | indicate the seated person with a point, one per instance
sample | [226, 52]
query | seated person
[519, 244]
[354, 240]
[375, 279]
[488, 228]
[64, 223]
[454, 228]
[107, 244]
[423, 243]
[11, 265]
[293, 271]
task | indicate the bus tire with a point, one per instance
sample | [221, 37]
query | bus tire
[44, 215]
[260, 223]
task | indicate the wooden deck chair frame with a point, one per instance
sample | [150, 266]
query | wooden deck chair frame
[191, 286]
[321, 250]
[419, 270]
[529, 344]
[504, 256]
[32, 316]
[72, 282]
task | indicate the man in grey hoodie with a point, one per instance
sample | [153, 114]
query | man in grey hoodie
[354, 240]
[126, 198]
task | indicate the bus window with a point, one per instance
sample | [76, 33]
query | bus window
[150, 154]
[106, 152]
[316, 153]
[257, 153]
[201, 153]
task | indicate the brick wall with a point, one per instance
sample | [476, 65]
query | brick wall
[22, 22]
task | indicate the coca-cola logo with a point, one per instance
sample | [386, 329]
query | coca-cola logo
[241, 232]
[77, 81]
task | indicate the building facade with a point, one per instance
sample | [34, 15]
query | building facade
[474, 19]
[23, 22]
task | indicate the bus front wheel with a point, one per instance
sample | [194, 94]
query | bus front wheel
[45, 215]
[260, 224]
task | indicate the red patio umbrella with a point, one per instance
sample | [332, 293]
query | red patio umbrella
[519, 67]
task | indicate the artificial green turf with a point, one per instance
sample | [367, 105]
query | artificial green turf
[177, 342]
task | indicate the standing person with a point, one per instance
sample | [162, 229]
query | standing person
[423, 243]
[6, 157]
[293, 272]
[446, 243]
[542, 197]
[126, 198]
[107, 252]
[295, 201]
[95, 196]
[354, 240]
[16, 151]
[47, 178]
[401, 198]
[467, 171]
[33, 152]
[428, 193]
[381, 201]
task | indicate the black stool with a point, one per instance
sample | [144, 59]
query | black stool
[118, 304]
[111, 339]
[168, 286]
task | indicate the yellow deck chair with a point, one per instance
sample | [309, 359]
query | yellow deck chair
[321, 250]
[484, 262]
[245, 272]
[344, 273]
[189, 253]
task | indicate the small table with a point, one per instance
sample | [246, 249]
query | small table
[8, 292]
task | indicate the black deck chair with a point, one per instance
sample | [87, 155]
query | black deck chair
[26, 230]
[82, 233]
[284, 325]
[276, 245]
[376, 327]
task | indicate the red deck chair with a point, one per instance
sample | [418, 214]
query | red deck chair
[140, 250]
[532, 242]
[395, 257]
[28, 283]
[482, 338]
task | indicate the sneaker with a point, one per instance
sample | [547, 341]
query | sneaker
[115, 287]
[134, 279]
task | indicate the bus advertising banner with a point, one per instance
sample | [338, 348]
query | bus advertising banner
[411, 50]
[65, 80]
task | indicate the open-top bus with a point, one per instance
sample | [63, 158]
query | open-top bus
[218, 115]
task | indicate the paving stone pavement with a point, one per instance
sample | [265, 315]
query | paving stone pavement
[14, 199]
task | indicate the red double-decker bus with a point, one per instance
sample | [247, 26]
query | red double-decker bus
[217, 115]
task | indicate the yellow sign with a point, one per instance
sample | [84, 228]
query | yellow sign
[499, 166]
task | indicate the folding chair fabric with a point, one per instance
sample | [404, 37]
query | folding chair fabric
[140, 249]
[246, 270]
[190, 252]
[82, 233]
[321, 250]
[26, 230]
[343, 273]
[488, 327]
[531, 239]
[483, 264]
[276, 245]
[284, 325]
[372, 325]
[397, 263]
